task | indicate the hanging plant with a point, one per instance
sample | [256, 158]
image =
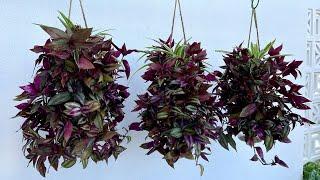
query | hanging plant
[178, 112]
[259, 99]
[73, 106]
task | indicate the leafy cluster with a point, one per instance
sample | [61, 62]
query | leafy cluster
[258, 98]
[178, 112]
[72, 107]
[311, 171]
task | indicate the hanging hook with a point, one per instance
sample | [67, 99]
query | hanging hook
[254, 6]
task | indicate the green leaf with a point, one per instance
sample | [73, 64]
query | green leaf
[68, 163]
[179, 92]
[176, 132]
[128, 139]
[66, 21]
[85, 157]
[268, 142]
[255, 51]
[168, 49]
[180, 49]
[59, 44]
[266, 49]
[142, 67]
[98, 121]
[70, 66]
[84, 163]
[59, 98]
[201, 169]
[162, 115]
[223, 140]
[91, 106]
[109, 135]
[179, 112]
[191, 108]
[79, 147]
[195, 101]
[232, 142]
[118, 151]
[21, 97]
[105, 78]
[188, 155]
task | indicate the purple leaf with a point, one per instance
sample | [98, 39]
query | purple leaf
[67, 131]
[286, 140]
[126, 67]
[38, 49]
[248, 110]
[254, 158]
[147, 145]
[295, 64]
[259, 152]
[85, 64]
[55, 33]
[30, 89]
[60, 54]
[204, 157]
[135, 126]
[210, 77]
[280, 162]
[74, 112]
[37, 82]
[300, 99]
[124, 50]
[22, 106]
[194, 48]
[116, 54]
[81, 35]
[305, 120]
[273, 52]
[189, 140]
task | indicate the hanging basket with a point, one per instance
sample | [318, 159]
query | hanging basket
[72, 107]
[258, 98]
[178, 112]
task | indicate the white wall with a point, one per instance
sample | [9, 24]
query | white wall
[218, 24]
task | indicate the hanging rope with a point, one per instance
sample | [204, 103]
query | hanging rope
[177, 3]
[254, 20]
[82, 11]
[70, 7]
[181, 18]
[83, 15]
[174, 17]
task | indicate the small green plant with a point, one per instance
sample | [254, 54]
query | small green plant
[311, 171]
